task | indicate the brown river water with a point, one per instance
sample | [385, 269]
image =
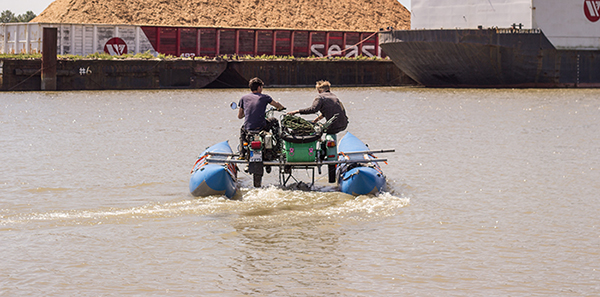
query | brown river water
[490, 193]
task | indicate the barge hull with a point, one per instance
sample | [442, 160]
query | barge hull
[489, 58]
[24, 75]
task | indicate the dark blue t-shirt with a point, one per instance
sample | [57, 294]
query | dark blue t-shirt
[254, 105]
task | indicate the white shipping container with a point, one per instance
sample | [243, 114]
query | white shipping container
[568, 24]
[461, 14]
[20, 38]
[74, 39]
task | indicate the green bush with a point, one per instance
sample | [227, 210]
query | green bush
[8, 16]
[21, 56]
[149, 56]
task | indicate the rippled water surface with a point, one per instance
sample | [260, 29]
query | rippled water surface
[490, 193]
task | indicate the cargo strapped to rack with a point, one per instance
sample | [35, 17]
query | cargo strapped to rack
[298, 130]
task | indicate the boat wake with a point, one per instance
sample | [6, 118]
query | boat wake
[273, 202]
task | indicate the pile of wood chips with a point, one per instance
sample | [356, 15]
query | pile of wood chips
[346, 15]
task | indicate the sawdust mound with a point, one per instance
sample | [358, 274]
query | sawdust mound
[360, 15]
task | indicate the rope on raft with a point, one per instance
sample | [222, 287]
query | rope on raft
[295, 125]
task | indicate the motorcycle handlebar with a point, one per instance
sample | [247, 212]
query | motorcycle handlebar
[274, 109]
[234, 106]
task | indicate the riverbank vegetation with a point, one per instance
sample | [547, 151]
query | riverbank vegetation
[149, 56]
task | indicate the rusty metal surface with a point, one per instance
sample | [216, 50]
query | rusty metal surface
[214, 42]
[49, 59]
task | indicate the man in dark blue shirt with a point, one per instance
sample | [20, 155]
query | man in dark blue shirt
[252, 110]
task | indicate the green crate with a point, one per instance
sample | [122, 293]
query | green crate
[300, 152]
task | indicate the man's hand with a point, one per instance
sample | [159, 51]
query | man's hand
[293, 112]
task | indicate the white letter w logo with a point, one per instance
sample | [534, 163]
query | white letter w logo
[593, 7]
[115, 49]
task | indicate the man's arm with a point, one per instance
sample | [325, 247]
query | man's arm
[316, 106]
[241, 113]
[277, 105]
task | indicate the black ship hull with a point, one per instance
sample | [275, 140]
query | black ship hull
[494, 58]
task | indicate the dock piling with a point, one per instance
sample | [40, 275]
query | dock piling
[49, 59]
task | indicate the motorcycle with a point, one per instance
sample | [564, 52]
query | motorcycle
[260, 146]
[304, 145]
